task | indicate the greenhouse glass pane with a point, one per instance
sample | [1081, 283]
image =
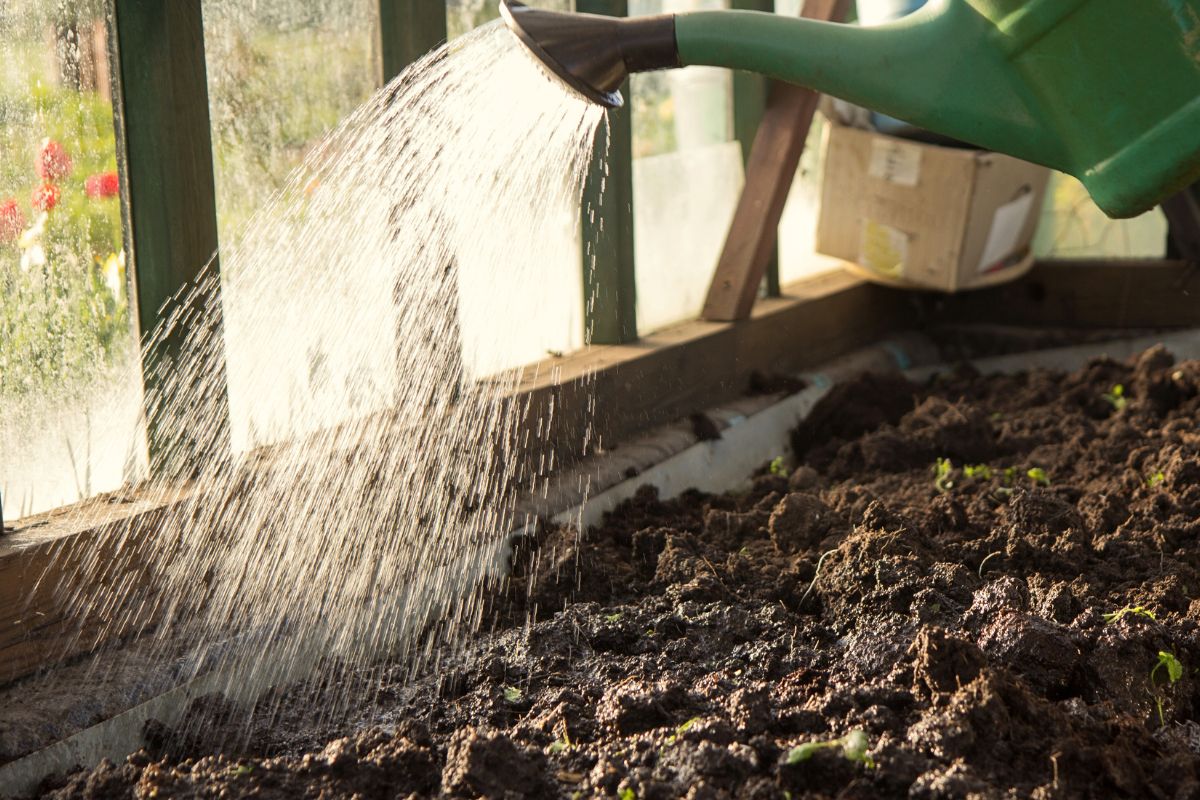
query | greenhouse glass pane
[70, 391]
[1072, 226]
[466, 15]
[540, 305]
[281, 75]
[687, 176]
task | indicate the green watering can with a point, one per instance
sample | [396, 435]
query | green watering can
[1106, 90]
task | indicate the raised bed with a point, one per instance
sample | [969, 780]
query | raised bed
[993, 635]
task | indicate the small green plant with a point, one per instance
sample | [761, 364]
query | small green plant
[1038, 476]
[1155, 479]
[512, 694]
[777, 467]
[854, 747]
[613, 617]
[627, 794]
[1116, 397]
[1140, 611]
[243, 769]
[943, 472]
[558, 746]
[1010, 476]
[682, 729]
[1174, 670]
[978, 472]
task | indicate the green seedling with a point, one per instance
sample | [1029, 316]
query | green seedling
[854, 747]
[612, 617]
[1155, 479]
[943, 472]
[682, 729]
[243, 769]
[1010, 476]
[1116, 397]
[1140, 611]
[558, 746]
[777, 467]
[627, 794]
[1038, 476]
[512, 694]
[978, 472]
[1174, 669]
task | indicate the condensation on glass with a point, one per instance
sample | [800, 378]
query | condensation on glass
[687, 177]
[70, 391]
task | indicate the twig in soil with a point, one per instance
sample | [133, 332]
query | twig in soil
[816, 575]
[717, 575]
[986, 559]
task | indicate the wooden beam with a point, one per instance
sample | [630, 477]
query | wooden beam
[774, 158]
[609, 283]
[164, 152]
[689, 367]
[39, 562]
[1183, 215]
[749, 103]
[1082, 294]
[408, 29]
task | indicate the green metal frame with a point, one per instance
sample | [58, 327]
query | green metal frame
[164, 149]
[749, 102]
[609, 285]
[408, 29]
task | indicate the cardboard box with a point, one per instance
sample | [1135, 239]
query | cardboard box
[926, 216]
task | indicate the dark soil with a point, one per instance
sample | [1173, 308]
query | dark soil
[683, 649]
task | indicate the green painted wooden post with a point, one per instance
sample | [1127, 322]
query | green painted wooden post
[749, 101]
[609, 288]
[164, 146]
[408, 29]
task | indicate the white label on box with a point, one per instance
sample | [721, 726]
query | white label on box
[895, 162]
[883, 249]
[1007, 224]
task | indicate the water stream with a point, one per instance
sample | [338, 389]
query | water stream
[395, 464]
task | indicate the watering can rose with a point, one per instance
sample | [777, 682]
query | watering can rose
[53, 163]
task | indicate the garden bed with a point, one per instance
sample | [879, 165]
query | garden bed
[993, 634]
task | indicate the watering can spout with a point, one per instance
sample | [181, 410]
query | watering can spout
[594, 54]
[1055, 82]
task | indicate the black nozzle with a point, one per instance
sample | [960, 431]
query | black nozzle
[593, 54]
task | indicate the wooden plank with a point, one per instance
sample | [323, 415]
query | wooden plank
[1082, 294]
[769, 173]
[1183, 214]
[164, 152]
[40, 561]
[677, 371]
[408, 29]
[749, 103]
[609, 283]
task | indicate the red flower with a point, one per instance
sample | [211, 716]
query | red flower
[12, 221]
[105, 184]
[45, 197]
[53, 163]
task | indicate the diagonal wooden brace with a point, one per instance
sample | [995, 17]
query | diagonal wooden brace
[774, 158]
